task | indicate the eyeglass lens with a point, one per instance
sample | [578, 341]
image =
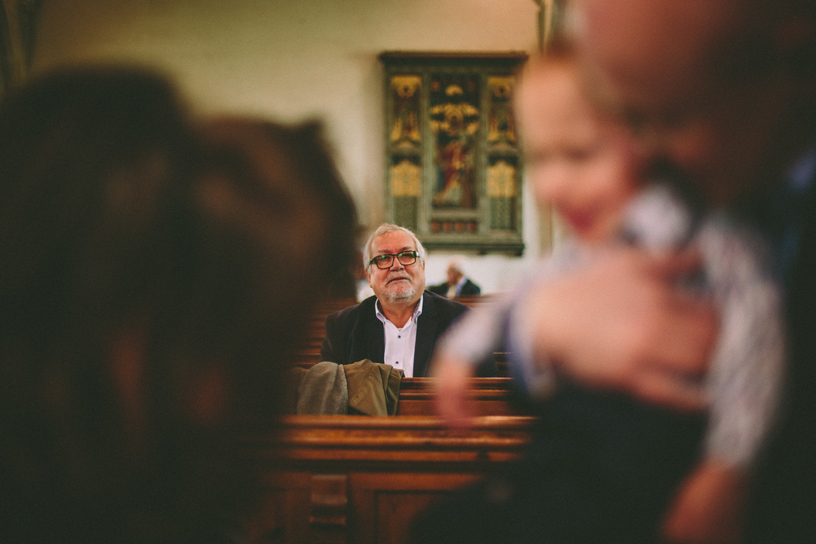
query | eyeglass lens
[386, 261]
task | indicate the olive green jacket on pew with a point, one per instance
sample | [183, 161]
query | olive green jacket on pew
[363, 388]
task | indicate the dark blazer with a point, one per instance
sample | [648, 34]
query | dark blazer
[355, 333]
[782, 502]
[469, 289]
[439, 289]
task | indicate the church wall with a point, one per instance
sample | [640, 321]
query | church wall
[296, 59]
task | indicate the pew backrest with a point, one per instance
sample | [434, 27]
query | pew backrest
[362, 479]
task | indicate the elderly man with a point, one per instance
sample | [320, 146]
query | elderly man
[400, 324]
[458, 285]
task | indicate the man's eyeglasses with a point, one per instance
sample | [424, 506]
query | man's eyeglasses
[386, 260]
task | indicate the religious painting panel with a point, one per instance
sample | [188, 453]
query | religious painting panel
[453, 161]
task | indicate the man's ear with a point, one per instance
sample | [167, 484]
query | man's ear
[368, 275]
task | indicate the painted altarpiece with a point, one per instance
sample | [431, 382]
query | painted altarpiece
[453, 161]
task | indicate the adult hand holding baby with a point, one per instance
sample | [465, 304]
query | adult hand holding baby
[453, 379]
[622, 324]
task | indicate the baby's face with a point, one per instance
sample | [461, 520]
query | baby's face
[582, 166]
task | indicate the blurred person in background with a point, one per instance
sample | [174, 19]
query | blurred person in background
[457, 284]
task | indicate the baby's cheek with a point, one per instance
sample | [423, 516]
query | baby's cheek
[617, 179]
[555, 181]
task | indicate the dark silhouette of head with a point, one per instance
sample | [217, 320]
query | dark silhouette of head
[152, 282]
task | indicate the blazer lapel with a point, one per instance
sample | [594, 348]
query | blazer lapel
[375, 336]
[427, 324]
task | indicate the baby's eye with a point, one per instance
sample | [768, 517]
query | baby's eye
[582, 153]
[539, 158]
[578, 154]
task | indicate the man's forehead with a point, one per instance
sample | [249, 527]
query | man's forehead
[393, 241]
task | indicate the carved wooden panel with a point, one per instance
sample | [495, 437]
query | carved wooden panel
[386, 504]
[452, 160]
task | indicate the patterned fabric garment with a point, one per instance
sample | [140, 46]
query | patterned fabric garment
[747, 367]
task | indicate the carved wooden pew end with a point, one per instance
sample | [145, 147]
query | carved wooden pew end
[329, 497]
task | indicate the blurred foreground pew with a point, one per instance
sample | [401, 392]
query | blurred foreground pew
[360, 480]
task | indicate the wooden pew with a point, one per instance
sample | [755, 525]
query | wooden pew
[490, 397]
[308, 353]
[475, 301]
[360, 480]
[356, 479]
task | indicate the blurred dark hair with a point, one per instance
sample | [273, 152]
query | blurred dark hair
[297, 154]
[148, 296]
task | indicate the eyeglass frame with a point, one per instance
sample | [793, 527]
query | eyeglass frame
[393, 256]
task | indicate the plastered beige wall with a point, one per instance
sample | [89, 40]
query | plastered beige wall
[293, 59]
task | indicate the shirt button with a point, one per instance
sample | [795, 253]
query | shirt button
[398, 336]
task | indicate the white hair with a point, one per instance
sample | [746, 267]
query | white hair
[456, 264]
[385, 228]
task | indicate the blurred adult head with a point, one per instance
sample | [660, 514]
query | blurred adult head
[454, 272]
[298, 157]
[151, 282]
[723, 89]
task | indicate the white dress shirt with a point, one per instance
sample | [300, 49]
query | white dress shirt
[400, 344]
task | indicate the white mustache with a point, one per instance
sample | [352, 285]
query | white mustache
[400, 277]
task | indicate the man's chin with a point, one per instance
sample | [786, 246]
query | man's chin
[400, 295]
